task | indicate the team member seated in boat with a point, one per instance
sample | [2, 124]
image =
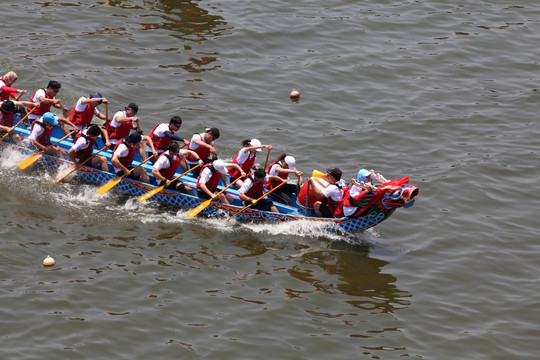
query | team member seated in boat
[123, 155]
[85, 109]
[83, 147]
[208, 181]
[203, 145]
[122, 123]
[282, 167]
[245, 157]
[46, 99]
[162, 134]
[332, 195]
[7, 89]
[7, 110]
[41, 131]
[164, 169]
[253, 189]
[359, 193]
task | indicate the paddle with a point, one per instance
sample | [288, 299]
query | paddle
[32, 159]
[65, 112]
[266, 194]
[158, 189]
[108, 186]
[318, 174]
[307, 198]
[17, 124]
[84, 162]
[266, 162]
[205, 204]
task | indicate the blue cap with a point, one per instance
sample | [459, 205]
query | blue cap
[50, 118]
[363, 175]
[96, 95]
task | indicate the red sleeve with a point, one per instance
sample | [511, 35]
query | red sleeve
[360, 196]
[10, 90]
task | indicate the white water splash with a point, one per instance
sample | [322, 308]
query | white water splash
[10, 158]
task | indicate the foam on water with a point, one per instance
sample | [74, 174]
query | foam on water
[10, 158]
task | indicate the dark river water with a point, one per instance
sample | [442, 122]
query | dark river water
[444, 92]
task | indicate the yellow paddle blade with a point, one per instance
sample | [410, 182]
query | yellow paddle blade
[318, 174]
[108, 186]
[151, 193]
[198, 209]
[29, 161]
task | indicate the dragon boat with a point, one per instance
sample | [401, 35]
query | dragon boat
[385, 200]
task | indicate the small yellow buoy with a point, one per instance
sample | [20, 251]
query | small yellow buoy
[48, 261]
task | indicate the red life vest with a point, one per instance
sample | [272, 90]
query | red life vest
[128, 159]
[45, 138]
[119, 132]
[9, 91]
[356, 201]
[169, 172]
[42, 108]
[202, 151]
[7, 118]
[246, 166]
[272, 183]
[256, 190]
[336, 207]
[82, 118]
[160, 143]
[213, 182]
[87, 151]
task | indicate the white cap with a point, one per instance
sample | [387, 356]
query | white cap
[255, 142]
[220, 166]
[291, 162]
